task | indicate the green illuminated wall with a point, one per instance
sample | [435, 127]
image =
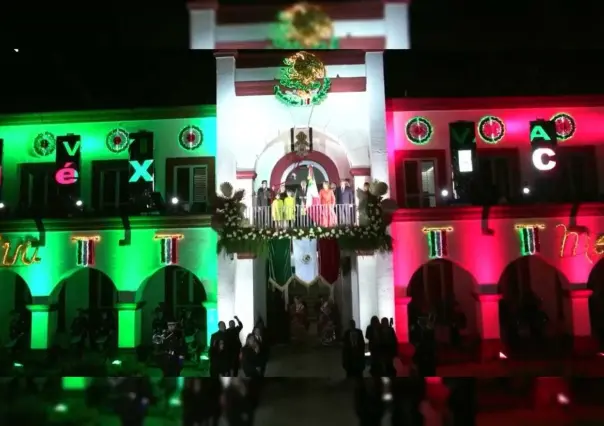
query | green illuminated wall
[132, 268]
[18, 145]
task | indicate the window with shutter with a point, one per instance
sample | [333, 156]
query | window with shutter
[192, 181]
[38, 189]
[498, 172]
[578, 174]
[110, 188]
[420, 183]
[191, 187]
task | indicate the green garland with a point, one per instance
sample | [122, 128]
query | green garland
[236, 237]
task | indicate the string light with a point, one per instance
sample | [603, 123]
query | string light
[438, 246]
[20, 254]
[598, 245]
[528, 233]
[168, 247]
[85, 249]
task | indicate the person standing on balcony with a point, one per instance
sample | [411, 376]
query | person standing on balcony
[289, 209]
[263, 202]
[328, 204]
[345, 201]
[277, 211]
[301, 195]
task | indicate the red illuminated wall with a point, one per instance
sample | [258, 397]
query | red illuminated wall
[516, 113]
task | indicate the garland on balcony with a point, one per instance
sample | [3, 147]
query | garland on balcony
[236, 235]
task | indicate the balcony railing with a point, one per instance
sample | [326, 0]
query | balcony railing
[300, 216]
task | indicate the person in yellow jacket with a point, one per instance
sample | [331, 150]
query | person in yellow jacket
[289, 208]
[277, 211]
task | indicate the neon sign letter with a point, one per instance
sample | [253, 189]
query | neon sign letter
[543, 159]
[588, 251]
[68, 175]
[71, 151]
[141, 171]
[19, 254]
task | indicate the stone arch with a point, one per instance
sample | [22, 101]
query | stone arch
[595, 283]
[529, 284]
[16, 295]
[97, 297]
[437, 286]
[287, 160]
[175, 289]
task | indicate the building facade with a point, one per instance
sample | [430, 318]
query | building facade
[540, 234]
[91, 259]
[449, 254]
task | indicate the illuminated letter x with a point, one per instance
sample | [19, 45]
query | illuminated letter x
[141, 171]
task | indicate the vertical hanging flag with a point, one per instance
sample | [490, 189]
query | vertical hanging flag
[85, 249]
[529, 238]
[438, 245]
[305, 259]
[168, 247]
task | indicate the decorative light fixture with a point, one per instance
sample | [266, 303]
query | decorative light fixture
[117, 141]
[491, 129]
[419, 130]
[304, 26]
[529, 237]
[45, 144]
[304, 79]
[565, 126]
[437, 241]
[190, 138]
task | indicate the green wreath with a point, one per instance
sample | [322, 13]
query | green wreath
[190, 138]
[419, 130]
[117, 140]
[563, 134]
[490, 139]
[45, 144]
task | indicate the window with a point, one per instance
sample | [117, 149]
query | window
[110, 191]
[420, 183]
[191, 187]
[498, 175]
[192, 181]
[577, 174]
[38, 189]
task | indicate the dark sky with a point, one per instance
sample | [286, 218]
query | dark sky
[113, 57]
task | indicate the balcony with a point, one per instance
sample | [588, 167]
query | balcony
[302, 217]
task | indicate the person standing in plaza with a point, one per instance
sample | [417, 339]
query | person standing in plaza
[234, 344]
[353, 351]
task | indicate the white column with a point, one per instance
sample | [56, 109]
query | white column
[378, 152]
[226, 171]
[396, 18]
[244, 275]
[202, 28]
[367, 295]
[378, 155]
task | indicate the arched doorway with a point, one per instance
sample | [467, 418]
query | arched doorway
[531, 310]
[13, 310]
[291, 169]
[88, 291]
[444, 289]
[596, 302]
[175, 290]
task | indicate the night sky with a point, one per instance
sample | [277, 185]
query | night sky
[119, 58]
